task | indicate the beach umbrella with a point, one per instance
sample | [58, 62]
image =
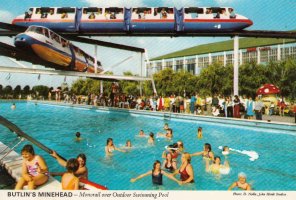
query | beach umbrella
[268, 89]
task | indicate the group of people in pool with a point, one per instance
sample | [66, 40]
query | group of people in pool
[35, 171]
[169, 168]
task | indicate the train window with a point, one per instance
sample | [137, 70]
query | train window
[194, 10]
[113, 12]
[67, 10]
[142, 12]
[55, 37]
[64, 42]
[209, 11]
[38, 11]
[90, 10]
[163, 11]
[28, 14]
[45, 32]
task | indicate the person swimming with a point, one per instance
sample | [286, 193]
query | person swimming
[199, 133]
[141, 133]
[128, 144]
[166, 126]
[13, 106]
[156, 174]
[78, 138]
[168, 134]
[151, 138]
[225, 150]
[110, 147]
[185, 170]
[216, 167]
[241, 183]
[206, 153]
[170, 155]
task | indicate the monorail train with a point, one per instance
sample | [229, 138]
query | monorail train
[53, 48]
[140, 19]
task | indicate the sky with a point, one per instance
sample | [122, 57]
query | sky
[276, 15]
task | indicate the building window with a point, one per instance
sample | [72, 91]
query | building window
[179, 65]
[273, 54]
[191, 68]
[169, 64]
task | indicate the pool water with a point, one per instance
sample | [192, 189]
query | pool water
[55, 127]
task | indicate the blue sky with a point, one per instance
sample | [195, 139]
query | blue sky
[266, 15]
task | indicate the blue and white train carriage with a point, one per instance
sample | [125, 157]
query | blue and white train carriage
[140, 19]
[53, 48]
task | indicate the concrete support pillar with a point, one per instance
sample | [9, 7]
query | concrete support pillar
[95, 57]
[240, 57]
[258, 56]
[101, 87]
[235, 64]
[224, 59]
[174, 65]
[279, 52]
[196, 64]
[210, 58]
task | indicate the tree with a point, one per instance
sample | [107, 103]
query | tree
[40, 90]
[163, 82]
[17, 91]
[251, 77]
[130, 87]
[7, 91]
[26, 90]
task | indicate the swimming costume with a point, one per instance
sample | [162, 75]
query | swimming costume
[33, 169]
[70, 185]
[157, 179]
[184, 175]
[242, 186]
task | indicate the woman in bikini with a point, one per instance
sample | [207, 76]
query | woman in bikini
[186, 170]
[34, 169]
[157, 174]
[206, 153]
[110, 147]
[241, 183]
[69, 180]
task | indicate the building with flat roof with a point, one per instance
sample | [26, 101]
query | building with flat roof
[194, 59]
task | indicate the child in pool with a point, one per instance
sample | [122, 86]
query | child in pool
[34, 169]
[225, 150]
[78, 138]
[199, 133]
[241, 183]
[128, 144]
[141, 133]
[69, 180]
[216, 167]
[151, 138]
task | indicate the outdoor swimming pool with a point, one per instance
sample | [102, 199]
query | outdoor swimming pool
[55, 126]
